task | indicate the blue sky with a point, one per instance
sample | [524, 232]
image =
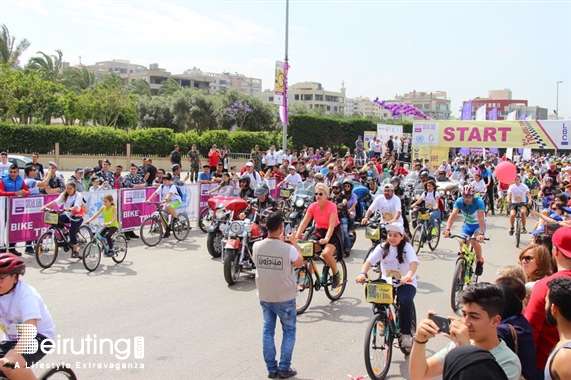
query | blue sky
[380, 48]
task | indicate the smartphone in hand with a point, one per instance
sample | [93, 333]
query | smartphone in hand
[442, 323]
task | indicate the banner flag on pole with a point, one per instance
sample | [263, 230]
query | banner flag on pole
[279, 83]
[481, 113]
[523, 116]
[493, 114]
[467, 111]
[512, 115]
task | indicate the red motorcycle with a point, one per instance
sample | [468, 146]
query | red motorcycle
[222, 209]
[241, 236]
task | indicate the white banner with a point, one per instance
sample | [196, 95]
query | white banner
[94, 202]
[384, 131]
[191, 196]
[4, 215]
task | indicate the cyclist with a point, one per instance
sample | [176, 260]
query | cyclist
[169, 197]
[74, 207]
[245, 190]
[292, 179]
[431, 198]
[264, 201]
[110, 223]
[473, 210]
[517, 194]
[532, 182]
[399, 192]
[397, 260]
[389, 206]
[340, 200]
[24, 305]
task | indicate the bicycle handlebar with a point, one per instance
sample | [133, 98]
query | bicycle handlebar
[462, 237]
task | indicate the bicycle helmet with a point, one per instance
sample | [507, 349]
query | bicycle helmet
[337, 184]
[395, 179]
[245, 178]
[423, 173]
[347, 181]
[548, 179]
[261, 189]
[468, 190]
[391, 173]
[11, 264]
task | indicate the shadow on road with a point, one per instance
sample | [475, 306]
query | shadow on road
[336, 310]
[426, 288]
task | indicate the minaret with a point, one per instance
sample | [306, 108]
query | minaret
[343, 88]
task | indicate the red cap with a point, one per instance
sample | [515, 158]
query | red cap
[562, 240]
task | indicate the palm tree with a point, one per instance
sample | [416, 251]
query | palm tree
[113, 79]
[78, 79]
[169, 87]
[49, 65]
[139, 87]
[10, 54]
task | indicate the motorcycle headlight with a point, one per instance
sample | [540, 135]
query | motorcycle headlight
[299, 203]
[448, 193]
[219, 214]
[248, 228]
[236, 227]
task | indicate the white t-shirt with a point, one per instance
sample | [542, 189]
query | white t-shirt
[71, 201]
[387, 207]
[430, 198]
[390, 266]
[479, 186]
[518, 193]
[23, 304]
[445, 167]
[372, 146]
[255, 178]
[163, 191]
[271, 158]
[293, 180]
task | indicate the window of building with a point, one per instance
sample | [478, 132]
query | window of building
[335, 108]
[328, 108]
[271, 98]
[308, 97]
[319, 98]
[426, 106]
[296, 96]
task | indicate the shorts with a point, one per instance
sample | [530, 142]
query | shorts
[175, 204]
[468, 230]
[337, 239]
[516, 206]
[29, 358]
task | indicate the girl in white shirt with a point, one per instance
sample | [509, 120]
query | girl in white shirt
[398, 260]
[479, 184]
[431, 200]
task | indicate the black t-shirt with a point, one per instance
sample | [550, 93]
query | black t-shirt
[175, 157]
[216, 175]
[553, 174]
[152, 174]
[304, 174]
[39, 171]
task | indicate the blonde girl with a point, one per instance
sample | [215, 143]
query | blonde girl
[110, 223]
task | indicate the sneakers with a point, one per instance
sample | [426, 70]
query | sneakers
[511, 231]
[406, 341]
[272, 375]
[434, 231]
[167, 234]
[285, 374]
[479, 268]
[74, 255]
[337, 280]
[523, 231]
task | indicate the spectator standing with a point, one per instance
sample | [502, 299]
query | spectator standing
[77, 179]
[13, 186]
[194, 160]
[55, 183]
[176, 173]
[39, 167]
[390, 146]
[558, 312]
[4, 164]
[372, 147]
[141, 169]
[134, 180]
[256, 158]
[545, 334]
[213, 156]
[87, 175]
[105, 175]
[117, 177]
[175, 156]
[359, 143]
[277, 290]
[151, 172]
[225, 158]
[205, 176]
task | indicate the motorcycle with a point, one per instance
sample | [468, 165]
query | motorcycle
[302, 197]
[364, 200]
[449, 192]
[237, 254]
[226, 206]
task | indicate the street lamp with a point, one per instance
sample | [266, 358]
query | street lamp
[557, 101]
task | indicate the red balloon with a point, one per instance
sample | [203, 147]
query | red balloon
[506, 172]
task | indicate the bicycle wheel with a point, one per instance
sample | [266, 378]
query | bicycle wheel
[46, 249]
[335, 293]
[205, 219]
[304, 289]
[517, 232]
[151, 231]
[406, 351]
[58, 373]
[120, 248]
[84, 237]
[417, 238]
[457, 284]
[433, 243]
[378, 347]
[181, 227]
[91, 256]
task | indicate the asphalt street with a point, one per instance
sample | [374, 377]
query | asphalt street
[194, 326]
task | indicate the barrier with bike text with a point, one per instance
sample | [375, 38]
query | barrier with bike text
[204, 189]
[25, 220]
[4, 213]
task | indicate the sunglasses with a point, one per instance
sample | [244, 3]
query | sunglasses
[320, 194]
[526, 259]
[467, 196]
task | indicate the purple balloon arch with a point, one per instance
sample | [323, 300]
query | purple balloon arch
[398, 109]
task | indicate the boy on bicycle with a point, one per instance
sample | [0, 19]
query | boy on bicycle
[169, 197]
[23, 305]
[473, 210]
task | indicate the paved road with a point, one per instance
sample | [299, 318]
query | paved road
[196, 327]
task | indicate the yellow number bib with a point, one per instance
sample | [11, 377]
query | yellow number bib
[387, 216]
[518, 199]
[428, 205]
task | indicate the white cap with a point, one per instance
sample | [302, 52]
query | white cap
[388, 186]
[397, 227]
[249, 163]
[291, 167]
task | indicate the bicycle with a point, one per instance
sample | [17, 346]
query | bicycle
[424, 232]
[93, 250]
[48, 244]
[152, 227]
[517, 223]
[503, 203]
[205, 219]
[56, 372]
[305, 283]
[383, 327]
[464, 271]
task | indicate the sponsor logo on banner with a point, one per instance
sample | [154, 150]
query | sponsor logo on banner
[26, 205]
[564, 135]
[134, 196]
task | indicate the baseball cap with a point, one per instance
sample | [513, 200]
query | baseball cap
[79, 169]
[397, 227]
[388, 186]
[175, 167]
[291, 167]
[249, 163]
[562, 240]
[54, 164]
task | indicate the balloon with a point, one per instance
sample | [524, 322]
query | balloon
[506, 172]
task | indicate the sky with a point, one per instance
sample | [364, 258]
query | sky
[379, 48]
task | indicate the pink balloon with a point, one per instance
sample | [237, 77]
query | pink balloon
[506, 172]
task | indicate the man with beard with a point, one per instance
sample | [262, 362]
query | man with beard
[545, 334]
[558, 312]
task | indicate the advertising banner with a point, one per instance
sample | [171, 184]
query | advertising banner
[367, 137]
[274, 191]
[531, 134]
[133, 207]
[4, 215]
[94, 202]
[26, 221]
[204, 189]
[384, 131]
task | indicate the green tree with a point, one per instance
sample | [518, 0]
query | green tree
[48, 65]
[192, 109]
[139, 87]
[154, 112]
[10, 54]
[78, 79]
[108, 102]
[112, 79]
[169, 87]
[298, 108]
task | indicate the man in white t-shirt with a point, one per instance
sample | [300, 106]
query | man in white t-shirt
[483, 304]
[292, 179]
[272, 157]
[372, 147]
[519, 196]
[445, 166]
[387, 204]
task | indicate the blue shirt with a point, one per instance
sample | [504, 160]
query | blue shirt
[485, 173]
[32, 186]
[470, 211]
[204, 177]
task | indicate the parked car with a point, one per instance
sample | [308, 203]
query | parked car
[22, 161]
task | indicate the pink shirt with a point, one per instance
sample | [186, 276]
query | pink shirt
[322, 217]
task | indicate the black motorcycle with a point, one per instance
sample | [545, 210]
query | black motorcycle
[302, 197]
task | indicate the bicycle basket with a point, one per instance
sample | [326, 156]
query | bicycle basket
[373, 233]
[379, 293]
[306, 248]
[534, 192]
[51, 217]
[424, 216]
[285, 193]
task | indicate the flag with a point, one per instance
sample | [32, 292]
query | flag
[493, 114]
[481, 113]
[279, 83]
[529, 117]
[523, 116]
[512, 115]
[467, 111]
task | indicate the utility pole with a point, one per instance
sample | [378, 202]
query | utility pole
[284, 130]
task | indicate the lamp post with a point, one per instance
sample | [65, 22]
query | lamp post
[557, 101]
[284, 131]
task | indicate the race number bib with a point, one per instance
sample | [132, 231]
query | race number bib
[396, 273]
[518, 198]
[429, 205]
[387, 216]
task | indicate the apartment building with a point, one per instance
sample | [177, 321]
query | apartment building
[503, 100]
[226, 81]
[434, 104]
[313, 95]
[364, 107]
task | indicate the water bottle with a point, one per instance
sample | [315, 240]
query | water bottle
[301, 279]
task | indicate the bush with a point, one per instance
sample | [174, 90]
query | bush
[212, 137]
[159, 141]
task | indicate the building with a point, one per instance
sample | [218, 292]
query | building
[503, 100]
[365, 108]
[313, 95]
[434, 104]
[226, 81]
[117, 66]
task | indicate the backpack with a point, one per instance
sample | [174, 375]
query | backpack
[179, 192]
[440, 203]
